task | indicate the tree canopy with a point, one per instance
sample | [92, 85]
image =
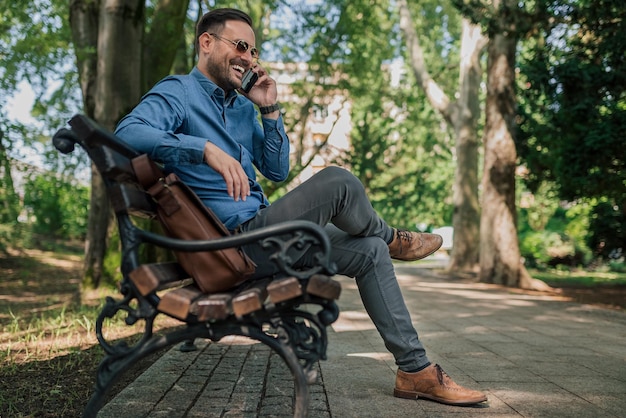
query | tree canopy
[573, 118]
[568, 61]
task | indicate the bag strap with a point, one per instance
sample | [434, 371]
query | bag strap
[146, 170]
[152, 179]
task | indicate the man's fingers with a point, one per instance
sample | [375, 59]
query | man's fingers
[242, 187]
[228, 179]
[236, 179]
[237, 186]
[236, 182]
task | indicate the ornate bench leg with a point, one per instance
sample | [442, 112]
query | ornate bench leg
[301, 387]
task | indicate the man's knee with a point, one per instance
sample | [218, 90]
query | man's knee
[341, 177]
[379, 250]
[334, 171]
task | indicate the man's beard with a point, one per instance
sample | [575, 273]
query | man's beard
[222, 76]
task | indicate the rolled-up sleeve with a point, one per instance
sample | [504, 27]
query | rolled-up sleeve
[154, 126]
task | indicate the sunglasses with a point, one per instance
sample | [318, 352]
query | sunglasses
[241, 45]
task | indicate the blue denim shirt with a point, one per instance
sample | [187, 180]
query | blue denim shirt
[181, 113]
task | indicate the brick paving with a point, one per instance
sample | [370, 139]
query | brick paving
[534, 356]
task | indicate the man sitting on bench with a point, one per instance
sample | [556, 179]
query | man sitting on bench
[203, 126]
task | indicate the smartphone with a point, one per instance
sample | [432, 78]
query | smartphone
[248, 80]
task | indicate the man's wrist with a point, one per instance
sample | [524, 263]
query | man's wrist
[265, 110]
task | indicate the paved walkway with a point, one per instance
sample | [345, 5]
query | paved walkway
[535, 356]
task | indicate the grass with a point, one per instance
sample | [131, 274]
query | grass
[46, 336]
[50, 334]
[48, 349]
[559, 278]
[601, 288]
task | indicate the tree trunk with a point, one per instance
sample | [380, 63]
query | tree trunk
[466, 215]
[164, 41]
[120, 32]
[9, 200]
[499, 248]
[462, 115]
[97, 226]
[84, 24]
[107, 37]
[435, 94]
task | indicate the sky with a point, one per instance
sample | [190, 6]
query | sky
[18, 110]
[18, 106]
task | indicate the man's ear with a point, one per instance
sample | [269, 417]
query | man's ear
[204, 42]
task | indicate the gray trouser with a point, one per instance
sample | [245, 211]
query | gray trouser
[336, 198]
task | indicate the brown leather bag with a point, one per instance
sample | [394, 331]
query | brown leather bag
[184, 216]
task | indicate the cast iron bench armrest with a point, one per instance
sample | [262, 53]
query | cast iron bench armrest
[267, 235]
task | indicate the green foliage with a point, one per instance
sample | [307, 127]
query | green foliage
[58, 207]
[573, 114]
[607, 229]
[112, 259]
[398, 148]
[574, 102]
[7, 236]
[540, 206]
[618, 266]
[399, 158]
[539, 248]
[35, 50]
[552, 247]
[550, 234]
[35, 46]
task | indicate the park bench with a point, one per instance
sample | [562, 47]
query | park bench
[288, 312]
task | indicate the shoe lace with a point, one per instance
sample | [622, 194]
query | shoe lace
[441, 374]
[404, 235]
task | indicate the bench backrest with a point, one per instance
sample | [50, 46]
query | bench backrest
[112, 158]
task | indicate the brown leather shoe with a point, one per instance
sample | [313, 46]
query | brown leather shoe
[411, 246]
[434, 384]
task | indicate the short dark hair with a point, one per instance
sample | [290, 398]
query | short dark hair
[214, 21]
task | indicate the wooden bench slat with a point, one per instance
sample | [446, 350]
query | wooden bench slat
[251, 298]
[177, 302]
[284, 289]
[324, 287]
[149, 278]
[212, 307]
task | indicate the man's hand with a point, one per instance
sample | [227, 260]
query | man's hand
[264, 92]
[234, 176]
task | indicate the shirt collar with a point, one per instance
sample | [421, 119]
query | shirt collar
[213, 89]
